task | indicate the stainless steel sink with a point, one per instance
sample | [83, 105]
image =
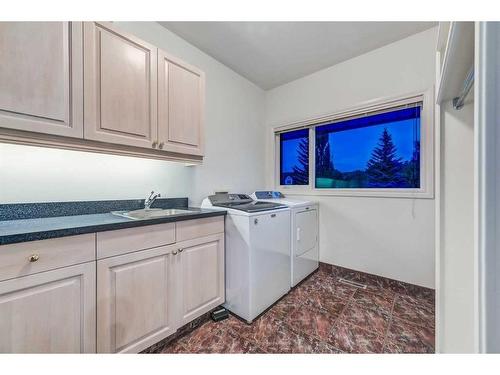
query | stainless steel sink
[150, 213]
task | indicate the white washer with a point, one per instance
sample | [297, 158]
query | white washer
[258, 261]
[304, 233]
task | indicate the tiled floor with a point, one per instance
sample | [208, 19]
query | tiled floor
[322, 315]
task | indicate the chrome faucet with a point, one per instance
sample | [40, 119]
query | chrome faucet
[150, 200]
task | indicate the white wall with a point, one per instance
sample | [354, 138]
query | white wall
[391, 237]
[457, 279]
[234, 147]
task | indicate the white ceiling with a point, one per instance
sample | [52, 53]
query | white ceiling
[273, 53]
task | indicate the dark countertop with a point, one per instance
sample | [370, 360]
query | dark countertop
[33, 229]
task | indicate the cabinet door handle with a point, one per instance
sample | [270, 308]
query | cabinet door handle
[174, 252]
[154, 144]
[181, 250]
[161, 144]
[33, 258]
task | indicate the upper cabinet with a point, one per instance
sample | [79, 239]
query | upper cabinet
[112, 90]
[41, 88]
[181, 102]
[120, 87]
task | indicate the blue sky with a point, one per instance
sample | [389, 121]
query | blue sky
[352, 149]
[289, 149]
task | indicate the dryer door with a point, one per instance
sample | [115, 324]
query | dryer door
[306, 228]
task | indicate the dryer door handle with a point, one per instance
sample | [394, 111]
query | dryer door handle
[298, 234]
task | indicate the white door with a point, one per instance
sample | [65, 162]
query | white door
[41, 77]
[49, 312]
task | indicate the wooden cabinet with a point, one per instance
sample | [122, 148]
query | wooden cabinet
[135, 300]
[122, 241]
[144, 296]
[49, 254]
[120, 89]
[49, 312]
[200, 280]
[181, 103]
[112, 91]
[41, 77]
[66, 301]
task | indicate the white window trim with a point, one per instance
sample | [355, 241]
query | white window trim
[426, 189]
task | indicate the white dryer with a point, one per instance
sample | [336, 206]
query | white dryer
[304, 233]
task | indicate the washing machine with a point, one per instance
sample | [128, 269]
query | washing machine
[304, 231]
[257, 238]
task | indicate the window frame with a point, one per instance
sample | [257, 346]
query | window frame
[426, 189]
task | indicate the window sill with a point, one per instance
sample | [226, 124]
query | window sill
[370, 193]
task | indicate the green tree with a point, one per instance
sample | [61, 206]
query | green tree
[324, 164]
[301, 172]
[384, 169]
[411, 169]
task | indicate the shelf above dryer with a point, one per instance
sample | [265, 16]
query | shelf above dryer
[455, 49]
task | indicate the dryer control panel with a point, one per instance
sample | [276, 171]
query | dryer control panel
[269, 194]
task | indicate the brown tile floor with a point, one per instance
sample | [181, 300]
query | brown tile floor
[322, 315]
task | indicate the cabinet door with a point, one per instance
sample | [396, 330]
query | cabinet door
[49, 312]
[120, 87]
[200, 266]
[41, 77]
[181, 103]
[135, 303]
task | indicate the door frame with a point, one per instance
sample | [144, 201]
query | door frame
[486, 175]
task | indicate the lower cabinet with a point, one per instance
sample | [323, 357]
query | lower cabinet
[135, 300]
[200, 267]
[49, 312]
[55, 297]
[143, 297]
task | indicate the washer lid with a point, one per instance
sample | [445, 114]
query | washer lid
[290, 202]
[278, 197]
[243, 202]
[254, 206]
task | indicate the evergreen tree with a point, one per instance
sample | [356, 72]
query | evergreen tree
[411, 169]
[324, 164]
[301, 173]
[384, 169]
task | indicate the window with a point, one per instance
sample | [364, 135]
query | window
[382, 150]
[294, 157]
[374, 151]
